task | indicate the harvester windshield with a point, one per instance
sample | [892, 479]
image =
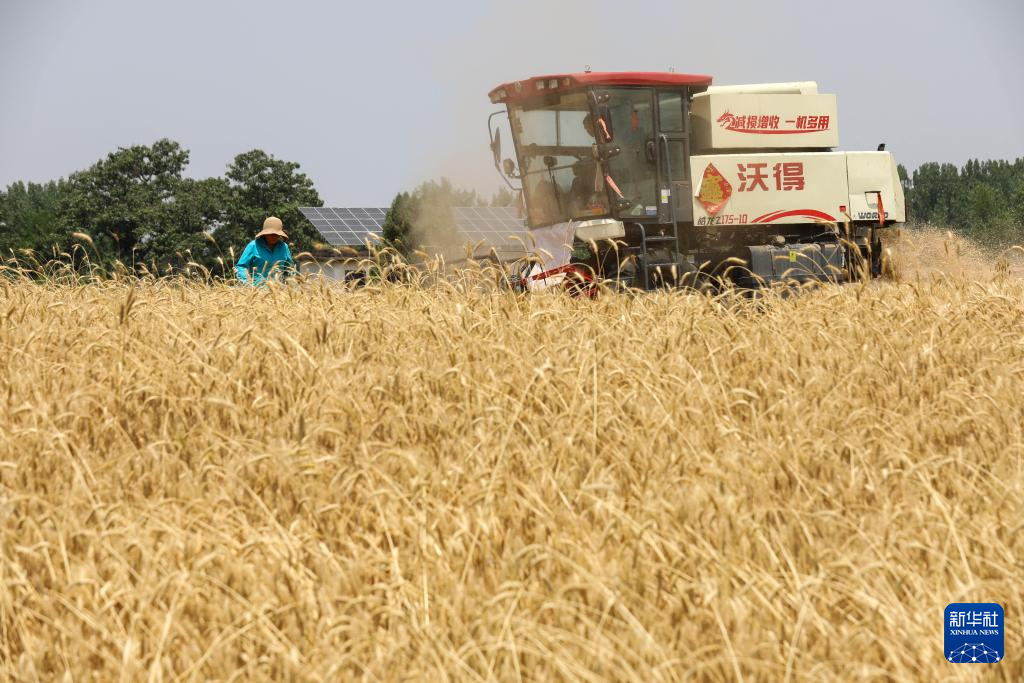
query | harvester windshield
[578, 162]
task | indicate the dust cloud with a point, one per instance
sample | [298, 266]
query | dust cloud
[930, 252]
[434, 231]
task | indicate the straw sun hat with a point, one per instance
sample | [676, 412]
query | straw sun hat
[273, 226]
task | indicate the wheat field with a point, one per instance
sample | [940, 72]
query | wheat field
[455, 482]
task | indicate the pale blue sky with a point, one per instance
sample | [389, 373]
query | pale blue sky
[375, 97]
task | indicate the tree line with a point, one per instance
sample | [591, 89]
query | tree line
[137, 207]
[983, 200]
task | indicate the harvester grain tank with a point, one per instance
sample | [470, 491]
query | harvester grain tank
[661, 178]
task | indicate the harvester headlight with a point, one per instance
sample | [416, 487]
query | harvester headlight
[553, 83]
[541, 84]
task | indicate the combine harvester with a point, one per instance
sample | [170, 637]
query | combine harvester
[651, 179]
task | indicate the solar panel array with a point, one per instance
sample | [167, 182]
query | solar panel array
[346, 227]
[496, 226]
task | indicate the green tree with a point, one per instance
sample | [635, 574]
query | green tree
[30, 217]
[187, 220]
[984, 203]
[397, 229]
[989, 218]
[1017, 204]
[933, 199]
[133, 203]
[259, 186]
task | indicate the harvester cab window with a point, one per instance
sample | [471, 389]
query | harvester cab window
[670, 112]
[561, 177]
[678, 160]
[634, 168]
[574, 129]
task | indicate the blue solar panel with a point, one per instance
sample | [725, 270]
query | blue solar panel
[345, 227]
[495, 226]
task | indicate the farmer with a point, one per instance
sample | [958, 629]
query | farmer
[267, 256]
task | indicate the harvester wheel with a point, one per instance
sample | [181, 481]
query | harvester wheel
[876, 254]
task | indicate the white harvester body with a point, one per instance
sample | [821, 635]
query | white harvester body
[759, 160]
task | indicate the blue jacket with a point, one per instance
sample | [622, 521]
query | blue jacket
[259, 262]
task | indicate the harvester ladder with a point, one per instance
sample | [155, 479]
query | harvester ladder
[672, 238]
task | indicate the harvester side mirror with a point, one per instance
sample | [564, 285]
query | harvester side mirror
[651, 151]
[496, 146]
[509, 167]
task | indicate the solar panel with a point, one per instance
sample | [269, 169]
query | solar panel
[496, 226]
[346, 227]
[357, 227]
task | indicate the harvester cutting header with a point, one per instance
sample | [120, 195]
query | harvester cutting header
[662, 178]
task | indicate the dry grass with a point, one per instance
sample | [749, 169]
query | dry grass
[305, 483]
